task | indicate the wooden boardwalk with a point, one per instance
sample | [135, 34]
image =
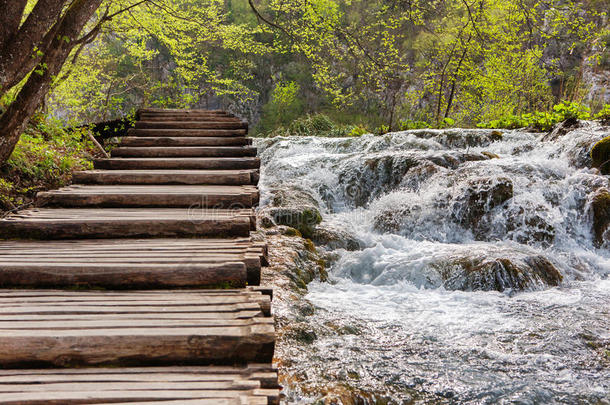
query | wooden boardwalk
[139, 283]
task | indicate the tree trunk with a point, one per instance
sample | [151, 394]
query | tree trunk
[12, 10]
[26, 47]
[13, 121]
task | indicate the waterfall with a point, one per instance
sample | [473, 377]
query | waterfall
[474, 273]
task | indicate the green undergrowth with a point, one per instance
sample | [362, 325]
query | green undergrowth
[44, 158]
[543, 121]
[539, 121]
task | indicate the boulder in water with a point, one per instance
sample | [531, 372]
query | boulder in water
[480, 273]
[600, 155]
[481, 196]
[600, 208]
[293, 207]
[333, 238]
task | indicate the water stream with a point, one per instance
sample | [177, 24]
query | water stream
[476, 276]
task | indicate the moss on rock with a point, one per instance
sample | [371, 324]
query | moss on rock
[600, 155]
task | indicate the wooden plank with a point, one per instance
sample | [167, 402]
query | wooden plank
[187, 117]
[181, 133]
[252, 384]
[210, 196]
[188, 151]
[170, 339]
[194, 177]
[190, 125]
[184, 141]
[177, 163]
[121, 273]
[125, 223]
[181, 110]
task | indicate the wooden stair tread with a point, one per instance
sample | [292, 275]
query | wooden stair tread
[184, 151]
[133, 263]
[222, 163]
[71, 223]
[190, 124]
[208, 196]
[134, 141]
[105, 340]
[160, 132]
[176, 176]
[249, 384]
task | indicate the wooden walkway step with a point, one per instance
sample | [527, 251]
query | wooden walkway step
[142, 141]
[59, 329]
[177, 163]
[254, 384]
[126, 263]
[157, 132]
[204, 196]
[110, 223]
[187, 117]
[194, 177]
[190, 125]
[188, 151]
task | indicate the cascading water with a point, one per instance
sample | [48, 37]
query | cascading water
[476, 276]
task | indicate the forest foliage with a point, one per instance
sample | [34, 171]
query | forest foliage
[367, 65]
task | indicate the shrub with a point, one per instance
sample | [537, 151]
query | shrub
[604, 114]
[44, 158]
[405, 125]
[541, 120]
[312, 125]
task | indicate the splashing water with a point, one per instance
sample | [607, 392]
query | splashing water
[478, 278]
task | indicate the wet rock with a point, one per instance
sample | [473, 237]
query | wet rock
[381, 173]
[561, 129]
[392, 219]
[527, 226]
[481, 196]
[333, 238]
[459, 138]
[499, 273]
[490, 155]
[302, 333]
[600, 209]
[600, 155]
[292, 207]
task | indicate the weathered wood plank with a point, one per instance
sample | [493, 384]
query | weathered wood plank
[184, 141]
[181, 133]
[252, 384]
[188, 151]
[208, 196]
[123, 341]
[177, 163]
[187, 117]
[190, 125]
[121, 273]
[126, 223]
[181, 110]
[194, 177]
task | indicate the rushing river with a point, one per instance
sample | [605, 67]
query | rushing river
[427, 210]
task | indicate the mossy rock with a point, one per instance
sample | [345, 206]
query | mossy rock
[499, 274]
[303, 219]
[600, 155]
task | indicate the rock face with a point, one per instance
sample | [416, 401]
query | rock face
[600, 208]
